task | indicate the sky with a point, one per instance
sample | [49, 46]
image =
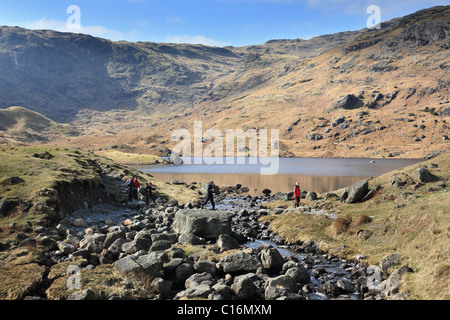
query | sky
[209, 22]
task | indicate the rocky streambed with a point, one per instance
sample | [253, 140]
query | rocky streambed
[236, 256]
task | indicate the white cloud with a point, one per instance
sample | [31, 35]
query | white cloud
[199, 39]
[174, 20]
[62, 26]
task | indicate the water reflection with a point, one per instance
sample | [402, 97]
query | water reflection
[314, 174]
[283, 183]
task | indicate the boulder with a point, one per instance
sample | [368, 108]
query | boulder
[271, 258]
[299, 274]
[208, 224]
[152, 263]
[226, 242]
[244, 287]
[311, 196]
[357, 191]
[280, 286]
[175, 159]
[93, 243]
[239, 262]
[347, 102]
[389, 261]
[422, 175]
[127, 264]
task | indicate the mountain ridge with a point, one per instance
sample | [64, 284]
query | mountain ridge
[150, 89]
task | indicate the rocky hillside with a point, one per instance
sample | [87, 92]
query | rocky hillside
[370, 93]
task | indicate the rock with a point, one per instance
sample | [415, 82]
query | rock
[93, 243]
[183, 272]
[127, 264]
[65, 247]
[282, 196]
[225, 291]
[389, 261]
[311, 196]
[357, 191]
[239, 262]
[152, 263]
[197, 279]
[226, 242]
[12, 181]
[347, 102]
[86, 294]
[113, 236]
[163, 287]
[79, 223]
[160, 245]
[244, 287]
[190, 238]
[373, 278]
[329, 288]
[422, 175]
[266, 192]
[271, 258]
[391, 285]
[280, 286]
[208, 224]
[314, 136]
[201, 291]
[345, 285]
[205, 266]
[175, 159]
[300, 275]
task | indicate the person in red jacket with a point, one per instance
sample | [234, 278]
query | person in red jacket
[136, 188]
[297, 194]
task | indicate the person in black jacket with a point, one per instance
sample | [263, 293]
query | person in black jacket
[148, 192]
[130, 185]
[210, 196]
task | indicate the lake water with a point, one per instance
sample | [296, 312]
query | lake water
[313, 174]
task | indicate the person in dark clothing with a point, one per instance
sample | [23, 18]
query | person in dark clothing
[148, 192]
[297, 194]
[130, 185]
[210, 196]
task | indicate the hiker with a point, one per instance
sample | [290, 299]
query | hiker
[136, 187]
[297, 194]
[148, 192]
[130, 184]
[210, 196]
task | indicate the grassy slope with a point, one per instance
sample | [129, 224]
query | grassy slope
[419, 231]
[67, 164]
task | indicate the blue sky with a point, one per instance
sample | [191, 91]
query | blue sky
[210, 22]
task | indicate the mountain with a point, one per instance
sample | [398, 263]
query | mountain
[370, 93]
